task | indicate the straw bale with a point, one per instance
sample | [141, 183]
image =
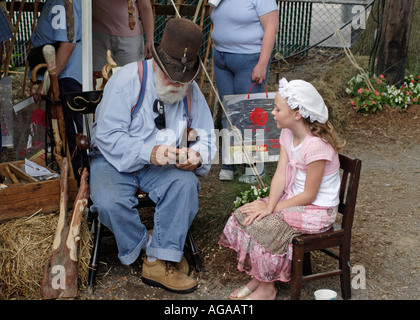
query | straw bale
[25, 247]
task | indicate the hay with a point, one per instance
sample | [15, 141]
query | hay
[332, 87]
[25, 247]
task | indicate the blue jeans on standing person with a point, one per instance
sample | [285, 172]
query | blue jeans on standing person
[174, 191]
[232, 73]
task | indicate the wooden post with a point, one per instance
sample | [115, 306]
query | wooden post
[395, 33]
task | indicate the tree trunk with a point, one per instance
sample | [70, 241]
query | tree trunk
[395, 33]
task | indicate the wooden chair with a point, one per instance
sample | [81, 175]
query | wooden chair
[338, 236]
[85, 103]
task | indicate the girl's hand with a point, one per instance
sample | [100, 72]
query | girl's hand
[255, 210]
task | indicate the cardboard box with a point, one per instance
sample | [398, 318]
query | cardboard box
[26, 196]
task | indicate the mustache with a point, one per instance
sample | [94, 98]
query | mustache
[168, 93]
[173, 89]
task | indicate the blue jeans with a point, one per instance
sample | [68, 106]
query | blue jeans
[174, 191]
[232, 73]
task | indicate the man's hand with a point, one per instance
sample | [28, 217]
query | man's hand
[184, 159]
[189, 159]
[163, 155]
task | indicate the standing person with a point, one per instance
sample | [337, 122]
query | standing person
[137, 150]
[116, 26]
[244, 33]
[303, 194]
[51, 28]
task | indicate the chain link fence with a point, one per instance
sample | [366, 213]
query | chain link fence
[303, 25]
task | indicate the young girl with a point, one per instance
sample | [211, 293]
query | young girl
[303, 193]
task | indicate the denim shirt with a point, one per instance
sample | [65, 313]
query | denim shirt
[127, 142]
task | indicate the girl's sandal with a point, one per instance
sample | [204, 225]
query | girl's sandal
[249, 298]
[241, 293]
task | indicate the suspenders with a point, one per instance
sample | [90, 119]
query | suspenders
[142, 67]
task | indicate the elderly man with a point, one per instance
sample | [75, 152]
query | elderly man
[140, 141]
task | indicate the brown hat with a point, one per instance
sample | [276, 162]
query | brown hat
[177, 54]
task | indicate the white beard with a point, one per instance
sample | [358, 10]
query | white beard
[168, 94]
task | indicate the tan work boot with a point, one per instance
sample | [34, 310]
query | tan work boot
[181, 266]
[163, 274]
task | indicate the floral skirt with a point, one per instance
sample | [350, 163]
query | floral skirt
[264, 249]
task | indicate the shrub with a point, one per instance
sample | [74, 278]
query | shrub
[368, 101]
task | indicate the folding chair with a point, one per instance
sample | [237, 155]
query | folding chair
[338, 236]
[85, 103]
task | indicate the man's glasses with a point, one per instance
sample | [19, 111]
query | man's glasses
[160, 119]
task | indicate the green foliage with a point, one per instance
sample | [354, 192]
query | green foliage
[252, 194]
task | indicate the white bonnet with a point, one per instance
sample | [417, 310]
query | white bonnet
[301, 94]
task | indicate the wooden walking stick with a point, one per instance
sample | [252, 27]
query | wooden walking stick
[53, 93]
[57, 118]
[61, 272]
[49, 284]
[205, 57]
[68, 5]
